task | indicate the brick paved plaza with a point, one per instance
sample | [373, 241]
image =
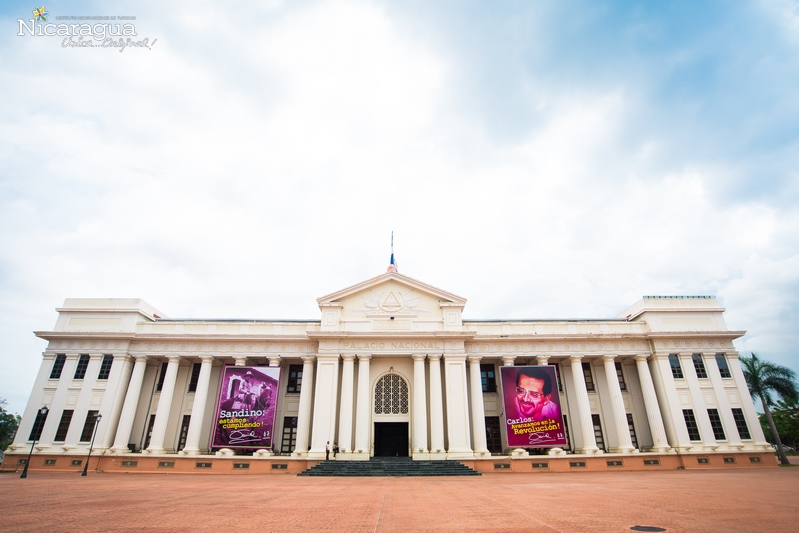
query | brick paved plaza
[763, 499]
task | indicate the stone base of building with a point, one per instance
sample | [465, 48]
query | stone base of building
[245, 464]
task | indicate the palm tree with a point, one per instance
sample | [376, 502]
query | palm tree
[764, 379]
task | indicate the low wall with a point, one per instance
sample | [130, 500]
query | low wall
[243, 464]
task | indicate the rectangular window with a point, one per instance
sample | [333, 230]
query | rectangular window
[493, 434]
[589, 378]
[600, 439]
[620, 375]
[161, 377]
[149, 431]
[488, 378]
[557, 377]
[83, 364]
[105, 367]
[690, 423]
[88, 426]
[699, 365]
[724, 369]
[184, 431]
[715, 423]
[38, 425]
[566, 432]
[58, 366]
[633, 437]
[740, 423]
[195, 377]
[63, 425]
[294, 384]
[289, 441]
[676, 369]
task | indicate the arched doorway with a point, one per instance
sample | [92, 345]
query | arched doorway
[391, 415]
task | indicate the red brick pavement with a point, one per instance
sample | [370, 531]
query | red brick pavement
[761, 499]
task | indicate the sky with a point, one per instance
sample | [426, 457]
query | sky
[545, 159]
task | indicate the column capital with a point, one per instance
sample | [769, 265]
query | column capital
[542, 359]
[474, 359]
[171, 358]
[140, 358]
[685, 354]
[434, 357]
[206, 358]
[364, 357]
[419, 357]
[642, 357]
[348, 357]
[576, 358]
[274, 360]
[240, 361]
[609, 358]
[308, 358]
[507, 360]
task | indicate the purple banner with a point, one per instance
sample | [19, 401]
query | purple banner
[245, 411]
[532, 407]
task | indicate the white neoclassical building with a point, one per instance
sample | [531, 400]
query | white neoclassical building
[391, 368]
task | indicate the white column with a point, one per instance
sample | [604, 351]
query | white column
[666, 387]
[752, 420]
[625, 443]
[111, 407]
[345, 418]
[725, 411]
[363, 419]
[659, 441]
[436, 406]
[326, 405]
[164, 406]
[458, 439]
[129, 407]
[198, 407]
[240, 361]
[507, 360]
[585, 424]
[698, 400]
[478, 410]
[83, 405]
[274, 360]
[304, 415]
[419, 405]
[542, 360]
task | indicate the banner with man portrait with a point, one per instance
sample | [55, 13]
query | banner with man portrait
[533, 417]
[245, 411]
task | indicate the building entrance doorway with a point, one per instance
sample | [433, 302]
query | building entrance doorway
[391, 439]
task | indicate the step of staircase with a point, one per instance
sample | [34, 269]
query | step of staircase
[391, 467]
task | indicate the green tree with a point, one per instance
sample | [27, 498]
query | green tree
[8, 426]
[765, 379]
[786, 419]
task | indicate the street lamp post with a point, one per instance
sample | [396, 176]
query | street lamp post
[42, 415]
[96, 423]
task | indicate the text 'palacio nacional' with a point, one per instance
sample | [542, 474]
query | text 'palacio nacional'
[390, 368]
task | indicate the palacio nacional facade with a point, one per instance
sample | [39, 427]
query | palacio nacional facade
[390, 368]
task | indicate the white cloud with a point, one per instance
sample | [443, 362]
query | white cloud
[246, 165]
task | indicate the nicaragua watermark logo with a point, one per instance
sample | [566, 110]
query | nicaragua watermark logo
[90, 31]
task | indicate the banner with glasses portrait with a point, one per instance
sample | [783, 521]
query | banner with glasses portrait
[533, 417]
[245, 410]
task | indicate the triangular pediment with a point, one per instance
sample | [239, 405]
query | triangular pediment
[391, 301]
[385, 280]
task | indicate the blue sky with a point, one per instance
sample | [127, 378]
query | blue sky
[541, 159]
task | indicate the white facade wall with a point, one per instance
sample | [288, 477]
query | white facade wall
[393, 325]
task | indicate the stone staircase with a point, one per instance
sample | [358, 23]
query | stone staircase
[389, 466]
